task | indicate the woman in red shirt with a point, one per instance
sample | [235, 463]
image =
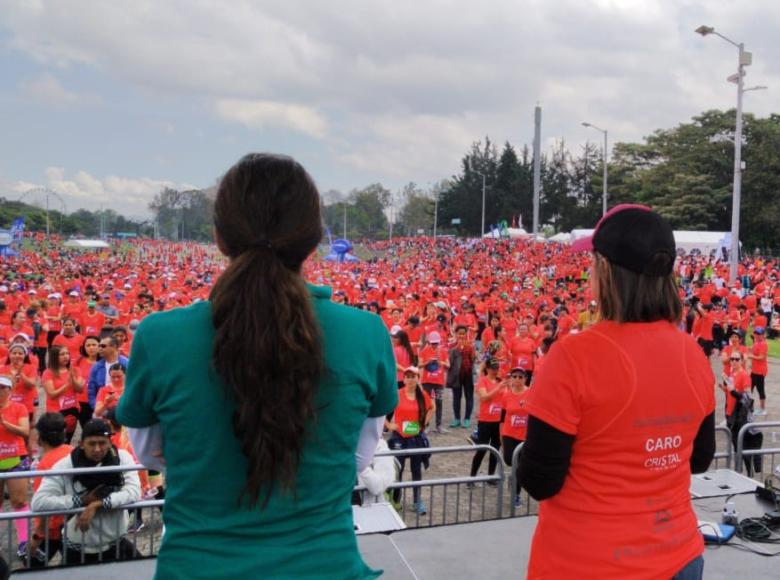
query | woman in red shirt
[613, 436]
[523, 349]
[515, 418]
[14, 430]
[108, 396]
[404, 354]
[88, 356]
[24, 374]
[489, 391]
[407, 430]
[63, 383]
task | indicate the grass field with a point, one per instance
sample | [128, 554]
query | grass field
[774, 348]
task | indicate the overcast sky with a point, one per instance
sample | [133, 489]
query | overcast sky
[107, 102]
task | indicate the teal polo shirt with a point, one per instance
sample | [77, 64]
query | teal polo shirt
[208, 534]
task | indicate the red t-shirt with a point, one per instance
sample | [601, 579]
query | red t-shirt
[407, 414]
[515, 422]
[740, 382]
[523, 350]
[705, 327]
[402, 359]
[430, 353]
[489, 409]
[85, 367]
[92, 324]
[12, 445]
[759, 367]
[72, 343]
[625, 509]
[21, 394]
[68, 399]
[103, 394]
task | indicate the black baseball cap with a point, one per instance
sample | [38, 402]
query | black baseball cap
[635, 237]
[96, 427]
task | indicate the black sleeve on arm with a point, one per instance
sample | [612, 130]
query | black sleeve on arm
[704, 445]
[545, 459]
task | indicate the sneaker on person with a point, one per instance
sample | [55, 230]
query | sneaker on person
[419, 507]
[136, 526]
[441, 430]
[466, 423]
[455, 423]
[471, 439]
[518, 502]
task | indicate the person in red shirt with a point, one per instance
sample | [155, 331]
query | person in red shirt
[515, 419]
[404, 354]
[490, 391]
[736, 382]
[88, 356]
[51, 437]
[759, 367]
[53, 316]
[732, 347]
[523, 349]
[24, 375]
[63, 383]
[613, 435]
[14, 431]
[407, 430]
[73, 308]
[435, 360]
[704, 328]
[92, 321]
[69, 338]
[739, 407]
[108, 396]
[19, 325]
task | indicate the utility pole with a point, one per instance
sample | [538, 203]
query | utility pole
[537, 165]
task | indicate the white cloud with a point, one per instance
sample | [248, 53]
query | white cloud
[264, 114]
[47, 89]
[127, 196]
[399, 89]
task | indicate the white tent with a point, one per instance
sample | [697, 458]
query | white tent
[705, 242]
[513, 233]
[86, 244]
[561, 238]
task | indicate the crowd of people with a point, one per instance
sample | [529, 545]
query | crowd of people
[474, 317]
[481, 316]
[67, 322]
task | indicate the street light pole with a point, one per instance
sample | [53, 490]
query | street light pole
[604, 185]
[345, 220]
[745, 59]
[482, 232]
[435, 212]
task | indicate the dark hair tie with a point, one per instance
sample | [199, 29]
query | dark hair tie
[262, 244]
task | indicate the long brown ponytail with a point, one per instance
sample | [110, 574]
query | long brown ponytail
[267, 344]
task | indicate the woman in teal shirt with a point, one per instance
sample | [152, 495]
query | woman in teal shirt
[261, 393]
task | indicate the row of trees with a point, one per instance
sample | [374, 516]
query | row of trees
[685, 173]
[81, 222]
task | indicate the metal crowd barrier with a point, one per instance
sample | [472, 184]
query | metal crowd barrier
[743, 456]
[728, 454]
[46, 545]
[451, 506]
